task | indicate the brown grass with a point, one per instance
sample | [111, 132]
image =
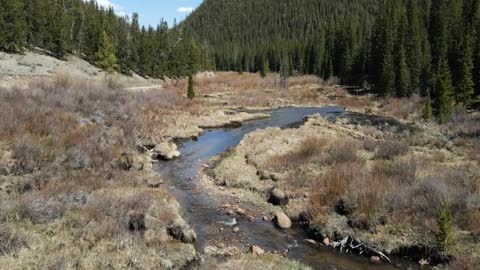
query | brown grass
[391, 149]
[10, 241]
[403, 108]
[309, 149]
[342, 151]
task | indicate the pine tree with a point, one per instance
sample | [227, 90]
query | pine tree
[438, 32]
[265, 68]
[57, 35]
[13, 28]
[133, 55]
[465, 86]
[444, 221]
[386, 83]
[427, 110]
[402, 72]
[413, 45]
[443, 92]
[191, 91]
[105, 57]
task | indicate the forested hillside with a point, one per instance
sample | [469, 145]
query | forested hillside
[398, 47]
[98, 35]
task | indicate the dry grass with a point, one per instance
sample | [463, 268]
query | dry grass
[10, 241]
[391, 149]
[403, 108]
[69, 140]
[341, 151]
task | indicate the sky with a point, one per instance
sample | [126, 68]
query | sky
[151, 11]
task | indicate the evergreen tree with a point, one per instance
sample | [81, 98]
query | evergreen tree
[427, 110]
[438, 32]
[402, 72]
[191, 91]
[13, 28]
[57, 34]
[465, 86]
[413, 45]
[133, 55]
[105, 57]
[444, 221]
[386, 83]
[443, 92]
[265, 68]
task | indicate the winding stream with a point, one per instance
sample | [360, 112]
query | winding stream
[202, 209]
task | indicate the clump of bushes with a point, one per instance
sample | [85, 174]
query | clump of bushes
[391, 149]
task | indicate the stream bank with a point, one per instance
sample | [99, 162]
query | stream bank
[227, 217]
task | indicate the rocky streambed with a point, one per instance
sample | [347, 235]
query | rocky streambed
[229, 221]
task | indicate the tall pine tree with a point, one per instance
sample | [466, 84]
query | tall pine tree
[443, 88]
[105, 57]
[13, 27]
[465, 85]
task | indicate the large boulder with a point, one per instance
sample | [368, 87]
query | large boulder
[282, 220]
[165, 151]
[257, 250]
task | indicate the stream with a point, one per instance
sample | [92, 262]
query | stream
[203, 213]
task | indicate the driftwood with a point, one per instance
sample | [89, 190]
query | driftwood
[353, 245]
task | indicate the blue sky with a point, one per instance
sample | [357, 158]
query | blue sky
[151, 11]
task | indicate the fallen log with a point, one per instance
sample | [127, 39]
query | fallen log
[353, 245]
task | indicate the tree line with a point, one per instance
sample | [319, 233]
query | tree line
[399, 48]
[97, 34]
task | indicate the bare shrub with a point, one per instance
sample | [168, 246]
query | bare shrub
[28, 154]
[369, 145]
[308, 149]
[464, 262]
[10, 241]
[62, 80]
[342, 151]
[108, 215]
[332, 187]
[39, 209]
[470, 220]
[403, 171]
[403, 107]
[113, 83]
[391, 149]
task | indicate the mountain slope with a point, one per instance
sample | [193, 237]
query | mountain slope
[245, 34]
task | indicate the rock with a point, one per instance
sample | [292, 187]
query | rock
[165, 151]
[182, 233]
[154, 182]
[375, 259]
[230, 212]
[278, 197]
[250, 218]
[310, 241]
[282, 220]
[423, 262]
[257, 250]
[236, 229]
[136, 221]
[240, 211]
[166, 264]
[265, 218]
[326, 241]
